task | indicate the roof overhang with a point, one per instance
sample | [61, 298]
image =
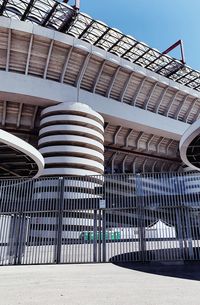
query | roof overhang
[64, 18]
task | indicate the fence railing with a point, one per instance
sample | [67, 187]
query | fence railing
[100, 219]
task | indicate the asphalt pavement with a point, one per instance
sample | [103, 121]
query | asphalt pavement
[100, 284]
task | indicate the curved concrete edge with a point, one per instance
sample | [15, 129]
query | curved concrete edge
[69, 172]
[26, 148]
[91, 153]
[27, 87]
[69, 182]
[71, 128]
[190, 134]
[75, 107]
[71, 139]
[73, 118]
[74, 160]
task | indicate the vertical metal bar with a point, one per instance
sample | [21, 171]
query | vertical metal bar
[104, 235]
[60, 220]
[95, 237]
[179, 232]
[140, 211]
[99, 235]
[67, 215]
[18, 236]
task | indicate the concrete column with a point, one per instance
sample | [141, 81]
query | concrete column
[71, 139]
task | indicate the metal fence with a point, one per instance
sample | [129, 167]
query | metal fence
[100, 219]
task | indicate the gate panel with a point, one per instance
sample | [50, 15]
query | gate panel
[150, 217]
[81, 220]
[42, 214]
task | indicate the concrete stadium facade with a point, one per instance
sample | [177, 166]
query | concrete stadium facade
[106, 113]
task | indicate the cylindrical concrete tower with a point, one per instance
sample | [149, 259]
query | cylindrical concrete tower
[71, 139]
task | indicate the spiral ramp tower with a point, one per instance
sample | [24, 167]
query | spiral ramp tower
[71, 140]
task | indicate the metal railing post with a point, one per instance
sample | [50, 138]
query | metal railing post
[104, 234]
[99, 236]
[140, 212]
[95, 237]
[60, 220]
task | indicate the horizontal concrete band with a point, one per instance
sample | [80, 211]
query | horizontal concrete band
[72, 129]
[73, 160]
[41, 92]
[71, 139]
[78, 109]
[73, 150]
[71, 119]
[69, 183]
[68, 172]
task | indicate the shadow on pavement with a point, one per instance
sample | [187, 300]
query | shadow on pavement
[184, 270]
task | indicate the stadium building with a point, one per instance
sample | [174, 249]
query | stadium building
[79, 99]
[88, 97]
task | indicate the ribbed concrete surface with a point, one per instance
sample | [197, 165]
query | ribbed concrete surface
[92, 285]
[74, 126]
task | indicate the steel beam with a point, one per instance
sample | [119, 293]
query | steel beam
[130, 49]
[116, 43]
[27, 10]
[141, 56]
[49, 14]
[101, 37]
[3, 7]
[86, 29]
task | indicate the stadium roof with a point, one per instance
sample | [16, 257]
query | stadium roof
[64, 18]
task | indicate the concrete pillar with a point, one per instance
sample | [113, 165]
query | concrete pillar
[71, 139]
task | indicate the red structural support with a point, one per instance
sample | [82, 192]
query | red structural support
[175, 45]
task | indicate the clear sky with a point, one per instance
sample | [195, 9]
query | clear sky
[158, 23]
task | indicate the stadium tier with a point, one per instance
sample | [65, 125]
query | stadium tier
[90, 98]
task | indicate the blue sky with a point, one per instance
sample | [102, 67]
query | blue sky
[158, 23]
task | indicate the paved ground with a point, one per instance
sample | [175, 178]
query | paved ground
[103, 284]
